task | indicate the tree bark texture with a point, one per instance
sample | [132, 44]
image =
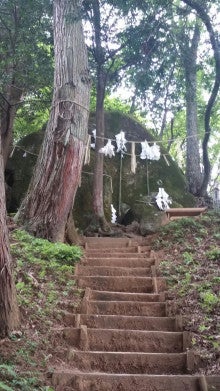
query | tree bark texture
[8, 111]
[202, 13]
[100, 123]
[8, 306]
[49, 201]
[193, 169]
[99, 160]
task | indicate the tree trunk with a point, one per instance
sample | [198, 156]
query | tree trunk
[98, 207]
[193, 170]
[48, 203]
[202, 13]
[8, 112]
[9, 318]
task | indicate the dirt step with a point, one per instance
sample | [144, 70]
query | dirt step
[120, 249]
[124, 382]
[137, 308]
[113, 340]
[161, 363]
[107, 242]
[135, 341]
[118, 284]
[119, 254]
[123, 296]
[113, 271]
[116, 242]
[128, 322]
[119, 322]
[119, 262]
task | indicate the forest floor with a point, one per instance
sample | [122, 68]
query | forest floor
[190, 253]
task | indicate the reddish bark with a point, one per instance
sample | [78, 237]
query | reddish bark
[48, 204]
[8, 306]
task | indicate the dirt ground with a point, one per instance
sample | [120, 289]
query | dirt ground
[191, 263]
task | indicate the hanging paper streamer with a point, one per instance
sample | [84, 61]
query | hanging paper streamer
[94, 137]
[150, 153]
[121, 141]
[155, 152]
[108, 149]
[87, 151]
[162, 199]
[145, 153]
[133, 158]
[114, 216]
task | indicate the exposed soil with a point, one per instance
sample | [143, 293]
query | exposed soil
[190, 254]
[38, 346]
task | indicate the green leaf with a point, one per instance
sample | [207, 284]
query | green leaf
[4, 386]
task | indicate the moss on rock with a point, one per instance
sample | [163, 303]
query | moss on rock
[148, 178]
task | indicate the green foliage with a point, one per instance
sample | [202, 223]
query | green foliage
[192, 275]
[209, 300]
[44, 276]
[54, 263]
[53, 252]
[11, 380]
[33, 114]
[214, 254]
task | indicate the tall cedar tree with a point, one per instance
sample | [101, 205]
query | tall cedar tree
[9, 317]
[50, 197]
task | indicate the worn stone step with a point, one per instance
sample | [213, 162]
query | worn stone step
[113, 271]
[124, 382]
[119, 262]
[119, 254]
[118, 362]
[124, 296]
[137, 308]
[119, 284]
[127, 322]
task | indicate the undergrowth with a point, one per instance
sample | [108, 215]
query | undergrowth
[191, 265]
[44, 280]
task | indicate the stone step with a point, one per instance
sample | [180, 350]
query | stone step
[112, 271]
[113, 340]
[118, 284]
[119, 262]
[137, 308]
[118, 362]
[110, 254]
[127, 322]
[124, 382]
[124, 296]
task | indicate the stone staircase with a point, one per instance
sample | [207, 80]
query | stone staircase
[123, 340]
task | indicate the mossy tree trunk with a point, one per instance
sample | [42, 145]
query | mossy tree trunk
[9, 318]
[50, 197]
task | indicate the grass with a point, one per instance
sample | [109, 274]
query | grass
[191, 265]
[44, 281]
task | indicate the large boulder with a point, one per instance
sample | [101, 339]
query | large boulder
[137, 190]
